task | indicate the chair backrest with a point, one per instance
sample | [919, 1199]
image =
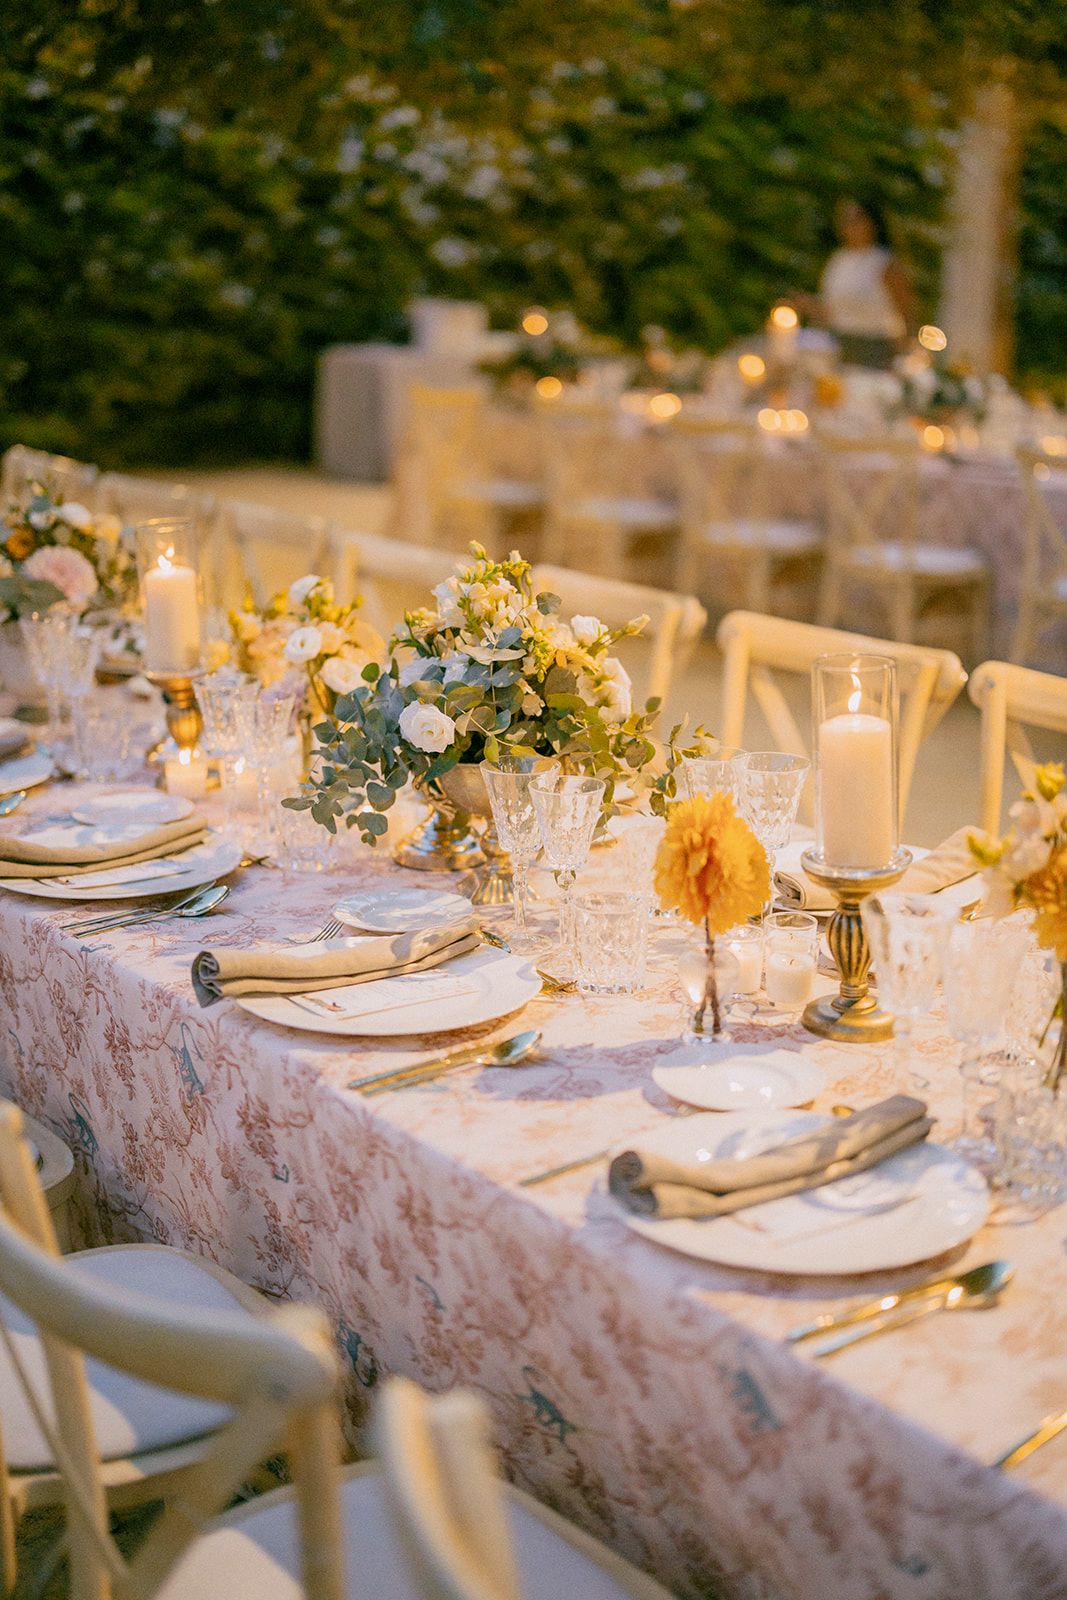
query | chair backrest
[438, 451]
[1012, 699]
[61, 475]
[661, 650]
[871, 486]
[1045, 552]
[446, 1500]
[756, 647]
[278, 1374]
[392, 577]
[272, 548]
[723, 480]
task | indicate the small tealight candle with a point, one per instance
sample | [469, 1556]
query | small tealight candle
[186, 774]
[749, 955]
[788, 979]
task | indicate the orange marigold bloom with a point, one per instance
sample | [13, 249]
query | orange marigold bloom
[1046, 891]
[710, 867]
[19, 544]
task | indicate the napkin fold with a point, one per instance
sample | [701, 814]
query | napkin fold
[296, 969]
[15, 737]
[27, 857]
[657, 1186]
[949, 863]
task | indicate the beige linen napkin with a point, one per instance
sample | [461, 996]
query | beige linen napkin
[949, 863]
[274, 969]
[24, 857]
[15, 738]
[657, 1186]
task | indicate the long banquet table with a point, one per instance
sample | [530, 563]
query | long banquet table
[647, 1395]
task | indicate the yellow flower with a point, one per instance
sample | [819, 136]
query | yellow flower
[216, 654]
[1046, 891]
[710, 867]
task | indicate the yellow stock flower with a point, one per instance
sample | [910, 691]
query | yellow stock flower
[1046, 891]
[710, 867]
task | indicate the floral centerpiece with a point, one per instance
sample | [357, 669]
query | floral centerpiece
[1028, 868]
[713, 871]
[490, 667]
[54, 551]
[660, 366]
[939, 392]
[305, 639]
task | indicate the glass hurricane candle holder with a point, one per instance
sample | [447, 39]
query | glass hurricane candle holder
[170, 596]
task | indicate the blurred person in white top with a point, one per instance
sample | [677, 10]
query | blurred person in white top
[865, 298]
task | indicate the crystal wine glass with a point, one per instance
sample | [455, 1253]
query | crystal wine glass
[263, 724]
[567, 809]
[507, 782]
[771, 783]
[221, 695]
[81, 652]
[45, 635]
[981, 965]
[906, 934]
[718, 770]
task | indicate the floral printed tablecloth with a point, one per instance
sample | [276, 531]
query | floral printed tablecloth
[646, 1395]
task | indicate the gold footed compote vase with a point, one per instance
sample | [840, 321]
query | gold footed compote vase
[184, 722]
[444, 842]
[852, 1014]
[491, 882]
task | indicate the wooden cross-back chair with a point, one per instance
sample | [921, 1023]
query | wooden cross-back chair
[271, 548]
[1043, 588]
[755, 648]
[1012, 699]
[871, 490]
[61, 475]
[657, 654]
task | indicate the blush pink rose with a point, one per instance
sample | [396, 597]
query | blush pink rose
[69, 571]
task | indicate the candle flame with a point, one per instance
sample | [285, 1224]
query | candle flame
[165, 562]
[185, 758]
[855, 699]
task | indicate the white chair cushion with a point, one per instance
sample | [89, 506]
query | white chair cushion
[925, 560]
[633, 511]
[130, 1416]
[511, 494]
[256, 1557]
[780, 538]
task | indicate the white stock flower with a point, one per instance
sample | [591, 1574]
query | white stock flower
[447, 596]
[340, 675]
[426, 727]
[301, 588]
[303, 644]
[586, 629]
[75, 515]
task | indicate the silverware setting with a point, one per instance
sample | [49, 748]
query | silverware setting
[976, 1289]
[552, 985]
[196, 904]
[1049, 1428]
[11, 802]
[510, 1052]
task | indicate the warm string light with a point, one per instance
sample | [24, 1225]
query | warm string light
[932, 338]
[784, 318]
[1054, 444]
[788, 421]
[752, 367]
[664, 406]
[534, 321]
[549, 388]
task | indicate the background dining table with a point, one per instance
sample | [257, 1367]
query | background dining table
[648, 1395]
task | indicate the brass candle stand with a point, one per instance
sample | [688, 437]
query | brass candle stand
[184, 722]
[853, 1014]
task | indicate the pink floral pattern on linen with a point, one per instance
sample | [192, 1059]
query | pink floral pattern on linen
[647, 1396]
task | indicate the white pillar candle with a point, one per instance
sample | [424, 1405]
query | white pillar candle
[186, 774]
[856, 790]
[171, 618]
[788, 980]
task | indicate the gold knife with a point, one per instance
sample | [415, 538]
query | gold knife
[1048, 1429]
[454, 1058]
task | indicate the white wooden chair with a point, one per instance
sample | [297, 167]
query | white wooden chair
[756, 648]
[392, 577]
[871, 485]
[70, 479]
[1043, 589]
[731, 540]
[149, 1437]
[657, 655]
[1012, 699]
[273, 1382]
[272, 548]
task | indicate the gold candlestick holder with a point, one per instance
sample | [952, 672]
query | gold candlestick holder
[184, 722]
[853, 1014]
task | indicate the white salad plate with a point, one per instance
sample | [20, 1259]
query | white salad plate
[142, 808]
[178, 874]
[738, 1077]
[402, 910]
[25, 772]
[480, 987]
[919, 1203]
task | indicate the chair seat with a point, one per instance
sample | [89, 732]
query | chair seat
[630, 511]
[781, 538]
[924, 560]
[253, 1553]
[509, 494]
[130, 1416]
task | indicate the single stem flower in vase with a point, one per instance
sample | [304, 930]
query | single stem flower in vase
[712, 870]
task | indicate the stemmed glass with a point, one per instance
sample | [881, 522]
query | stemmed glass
[515, 815]
[81, 650]
[771, 783]
[221, 695]
[719, 769]
[906, 934]
[567, 809]
[263, 727]
[981, 967]
[46, 635]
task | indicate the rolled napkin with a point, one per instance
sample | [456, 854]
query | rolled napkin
[296, 969]
[656, 1186]
[52, 852]
[951, 862]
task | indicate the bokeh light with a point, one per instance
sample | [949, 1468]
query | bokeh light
[932, 338]
[549, 388]
[534, 321]
[784, 317]
[751, 367]
[664, 406]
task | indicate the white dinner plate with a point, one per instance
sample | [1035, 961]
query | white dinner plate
[202, 864]
[25, 772]
[493, 984]
[917, 1204]
[736, 1077]
[143, 808]
[401, 910]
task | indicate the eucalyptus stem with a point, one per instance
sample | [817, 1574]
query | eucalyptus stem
[711, 987]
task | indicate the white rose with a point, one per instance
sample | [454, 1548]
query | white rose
[426, 727]
[341, 676]
[303, 644]
[586, 629]
[616, 691]
[299, 591]
[75, 515]
[41, 519]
